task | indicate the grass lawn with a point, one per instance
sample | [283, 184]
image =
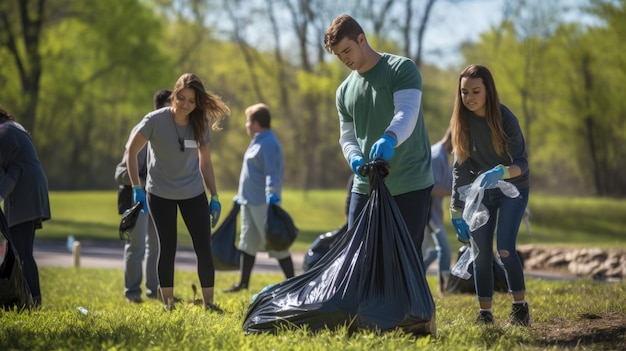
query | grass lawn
[566, 315]
[563, 221]
[84, 309]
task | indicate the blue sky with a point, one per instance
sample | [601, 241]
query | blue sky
[451, 25]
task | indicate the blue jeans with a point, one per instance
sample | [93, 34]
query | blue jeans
[441, 251]
[412, 205]
[505, 216]
[142, 242]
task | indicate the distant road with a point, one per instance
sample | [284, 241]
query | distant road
[110, 254]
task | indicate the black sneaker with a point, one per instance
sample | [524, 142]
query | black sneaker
[484, 317]
[235, 288]
[520, 315]
[213, 308]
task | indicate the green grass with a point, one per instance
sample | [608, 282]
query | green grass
[113, 324]
[563, 221]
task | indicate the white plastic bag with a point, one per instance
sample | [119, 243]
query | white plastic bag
[460, 269]
[476, 215]
[474, 212]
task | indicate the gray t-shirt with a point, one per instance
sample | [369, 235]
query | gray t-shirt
[172, 173]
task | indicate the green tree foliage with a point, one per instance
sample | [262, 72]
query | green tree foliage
[564, 85]
[21, 23]
[102, 63]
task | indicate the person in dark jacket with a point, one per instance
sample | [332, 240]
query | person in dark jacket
[24, 191]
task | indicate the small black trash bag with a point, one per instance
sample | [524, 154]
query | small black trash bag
[129, 219]
[372, 279]
[225, 254]
[321, 246]
[462, 286]
[14, 291]
[280, 230]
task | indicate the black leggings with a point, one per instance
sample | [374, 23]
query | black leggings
[196, 215]
[22, 238]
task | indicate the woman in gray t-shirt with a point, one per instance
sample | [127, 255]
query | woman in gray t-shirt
[179, 168]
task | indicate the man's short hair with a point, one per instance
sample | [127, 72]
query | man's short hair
[341, 27]
[261, 114]
[161, 98]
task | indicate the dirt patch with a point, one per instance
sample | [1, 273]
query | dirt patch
[588, 331]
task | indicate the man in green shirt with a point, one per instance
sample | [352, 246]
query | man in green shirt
[380, 116]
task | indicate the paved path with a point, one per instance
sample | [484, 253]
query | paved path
[109, 254]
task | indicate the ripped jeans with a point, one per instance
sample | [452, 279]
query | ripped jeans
[505, 216]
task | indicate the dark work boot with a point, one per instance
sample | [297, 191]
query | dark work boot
[520, 315]
[287, 266]
[247, 262]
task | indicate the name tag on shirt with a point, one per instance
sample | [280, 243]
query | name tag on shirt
[190, 144]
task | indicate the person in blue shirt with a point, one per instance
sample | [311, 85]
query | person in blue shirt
[260, 184]
[487, 140]
[442, 188]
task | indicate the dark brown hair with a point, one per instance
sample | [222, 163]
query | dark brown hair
[161, 98]
[341, 27]
[5, 116]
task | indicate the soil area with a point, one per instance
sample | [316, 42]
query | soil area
[588, 331]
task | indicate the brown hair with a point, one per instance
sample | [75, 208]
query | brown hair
[210, 109]
[341, 27]
[461, 139]
[261, 114]
[5, 116]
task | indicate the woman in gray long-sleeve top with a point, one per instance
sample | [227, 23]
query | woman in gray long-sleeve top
[24, 191]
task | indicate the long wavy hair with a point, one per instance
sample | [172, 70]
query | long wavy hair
[461, 139]
[210, 109]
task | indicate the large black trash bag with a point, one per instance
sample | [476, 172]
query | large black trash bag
[372, 279]
[462, 286]
[280, 230]
[14, 291]
[225, 254]
[321, 246]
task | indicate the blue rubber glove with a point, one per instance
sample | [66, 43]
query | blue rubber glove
[272, 198]
[383, 148]
[215, 209]
[355, 163]
[140, 196]
[460, 226]
[492, 176]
